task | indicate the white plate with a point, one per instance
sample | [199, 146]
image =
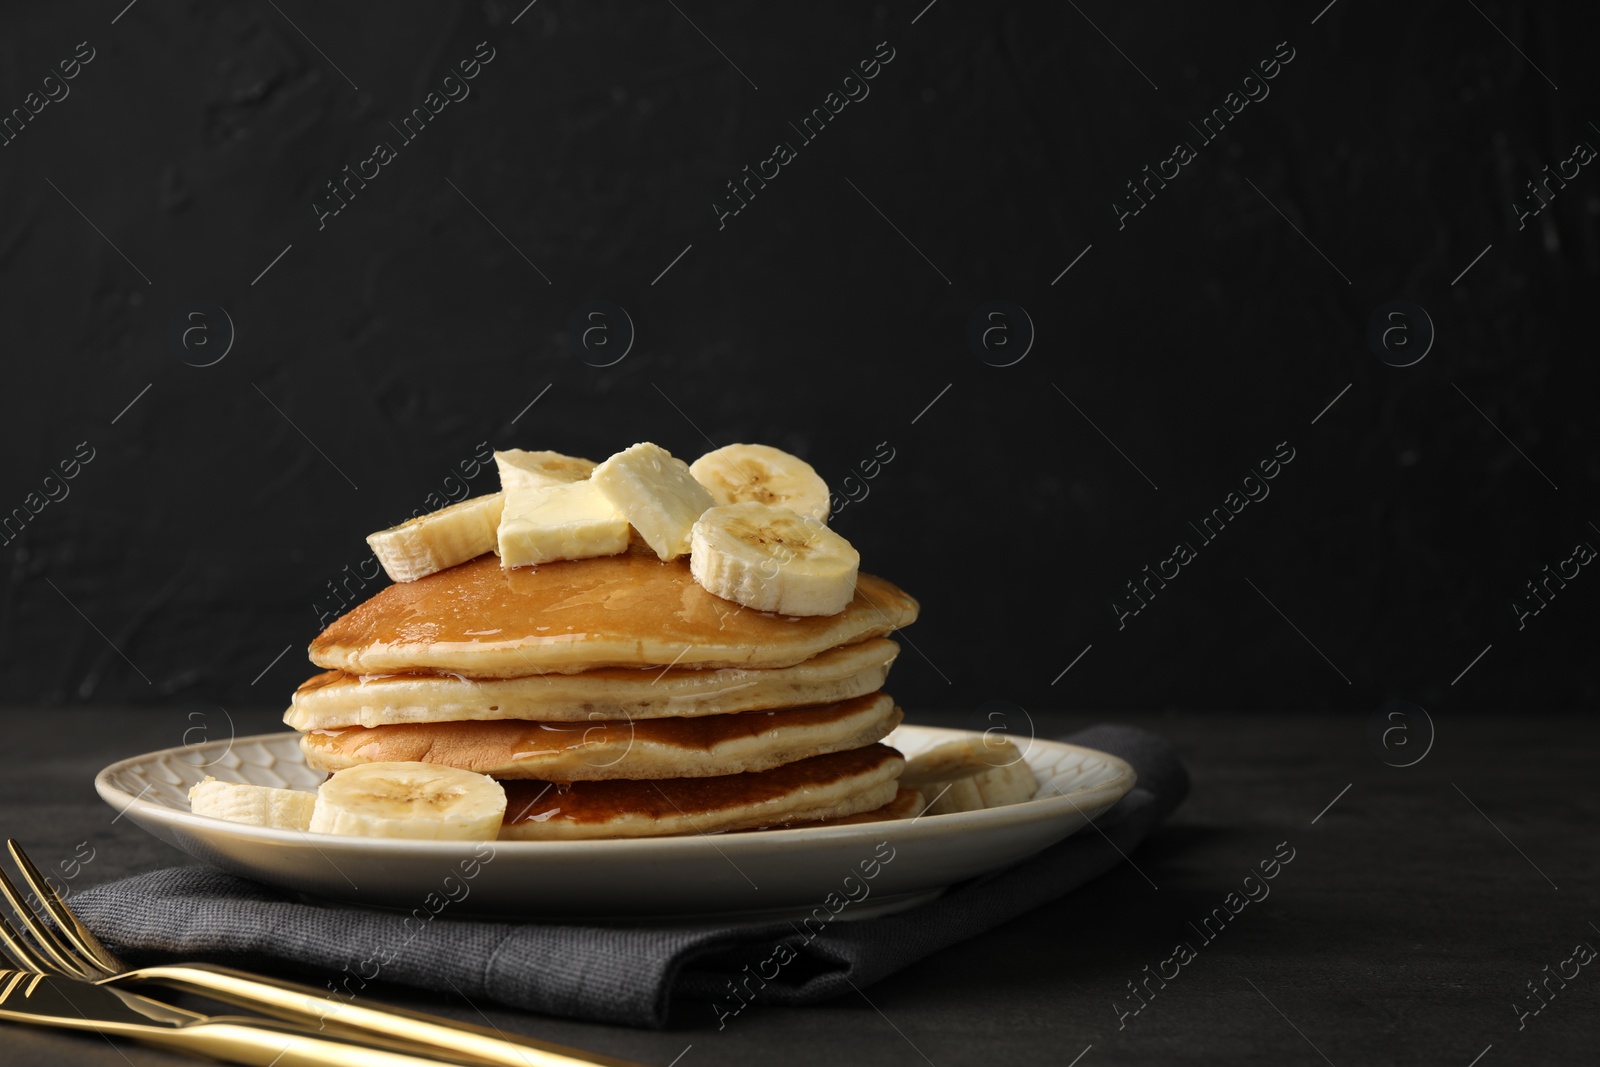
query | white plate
[757, 875]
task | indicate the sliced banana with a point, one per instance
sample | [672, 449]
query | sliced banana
[563, 521]
[955, 758]
[521, 469]
[254, 805]
[970, 775]
[429, 543]
[773, 559]
[656, 493]
[411, 800]
[767, 475]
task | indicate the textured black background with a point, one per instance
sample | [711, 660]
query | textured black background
[200, 540]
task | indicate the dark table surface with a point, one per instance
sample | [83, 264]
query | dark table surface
[1419, 904]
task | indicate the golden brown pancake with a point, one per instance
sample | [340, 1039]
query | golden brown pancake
[840, 783]
[908, 803]
[599, 750]
[628, 610]
[336, 699]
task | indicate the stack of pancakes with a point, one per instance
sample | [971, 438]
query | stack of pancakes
[614, 697]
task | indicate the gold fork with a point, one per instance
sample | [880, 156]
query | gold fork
[70, 949]
[72, 1004]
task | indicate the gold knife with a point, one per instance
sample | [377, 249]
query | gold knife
[309, 1007]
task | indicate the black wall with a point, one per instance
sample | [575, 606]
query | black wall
[1178, 352]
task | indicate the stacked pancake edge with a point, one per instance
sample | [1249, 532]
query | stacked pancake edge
[615, 697]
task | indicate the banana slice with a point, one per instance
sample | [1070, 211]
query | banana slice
[571, 521]
[521, 469]
[970, 775]
[767, 475]
[760, 472]
[956, 758]
[429, 543]
[410, 800]
[254, 805]
[772, 559]
[656, 493]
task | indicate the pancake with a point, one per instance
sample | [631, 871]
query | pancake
[908, 803]
[840, 783]
[598, 750]
[336, 699]
[628, 610]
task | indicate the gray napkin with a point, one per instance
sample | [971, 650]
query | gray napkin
[628, 975]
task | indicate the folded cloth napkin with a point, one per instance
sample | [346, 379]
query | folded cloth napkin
[631, 975]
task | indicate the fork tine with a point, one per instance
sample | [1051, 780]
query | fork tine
[78, 936]
[18, 949]
[44, 938]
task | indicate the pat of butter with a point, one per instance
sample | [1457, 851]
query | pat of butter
[656, 494]
[572, 521]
